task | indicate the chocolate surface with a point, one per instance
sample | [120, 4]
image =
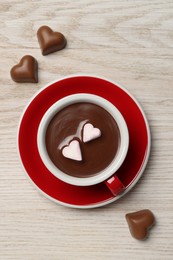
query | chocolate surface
[67, 125]
[49, 40]
[26, 70]
[139, 222]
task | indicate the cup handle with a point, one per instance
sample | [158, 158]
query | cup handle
[115, 185]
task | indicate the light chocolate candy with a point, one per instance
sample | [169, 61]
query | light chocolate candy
[139, 222]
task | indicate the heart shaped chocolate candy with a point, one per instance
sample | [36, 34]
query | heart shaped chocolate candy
[139, 222]
[26, 70]
[49, 40]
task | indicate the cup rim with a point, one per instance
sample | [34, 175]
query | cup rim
[112, 167]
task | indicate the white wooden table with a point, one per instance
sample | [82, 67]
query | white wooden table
[130, 42]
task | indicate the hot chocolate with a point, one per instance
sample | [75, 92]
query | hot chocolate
[68, 128]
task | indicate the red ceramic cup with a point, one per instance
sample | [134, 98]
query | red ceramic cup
[108, 175]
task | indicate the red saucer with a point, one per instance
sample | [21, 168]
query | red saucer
[90, 196]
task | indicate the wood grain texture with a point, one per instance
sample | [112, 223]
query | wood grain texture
[130, 42]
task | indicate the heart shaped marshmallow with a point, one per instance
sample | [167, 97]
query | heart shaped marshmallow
[72, 151]
[90, 132]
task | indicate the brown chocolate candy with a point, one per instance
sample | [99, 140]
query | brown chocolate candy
[26, 70]
[139, 222]
[49, 40]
